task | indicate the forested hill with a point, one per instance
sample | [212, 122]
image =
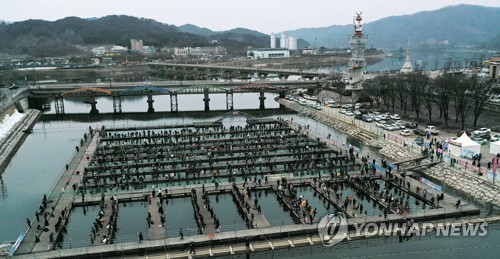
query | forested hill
[454, 25]
[61, 37]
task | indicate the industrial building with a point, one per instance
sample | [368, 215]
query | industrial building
[268, 53]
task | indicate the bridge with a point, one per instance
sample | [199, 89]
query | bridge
[208, 71]
[59, 92]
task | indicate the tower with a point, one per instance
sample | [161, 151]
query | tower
[357, 62]
[273, 40]
[407, 67]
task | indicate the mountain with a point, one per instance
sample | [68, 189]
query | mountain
[193, 29]
[61, 37]
[458, 25]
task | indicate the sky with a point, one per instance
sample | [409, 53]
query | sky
[262, 15]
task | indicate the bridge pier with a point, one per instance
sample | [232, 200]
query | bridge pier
[173, 103]
[229, 101]
[150, 104]
[59, 103]
[356, 94]
[117, 104]
[282, 95]
[93, 105]
[206, 99]
[262, 98]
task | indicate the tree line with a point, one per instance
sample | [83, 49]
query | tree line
[452, 96]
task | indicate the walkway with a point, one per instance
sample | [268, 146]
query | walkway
[61, 198]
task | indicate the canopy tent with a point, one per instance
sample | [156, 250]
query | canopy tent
[464, 147]
[495, 147]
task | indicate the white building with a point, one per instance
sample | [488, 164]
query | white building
[273, 40]
[283, 41]
[118, 49]
[148, 49]
[200, 51]
[268, 53]
[98, 51]
[311, 50]
[292, 43]
[181, 51]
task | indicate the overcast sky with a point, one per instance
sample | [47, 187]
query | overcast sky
[263, 15]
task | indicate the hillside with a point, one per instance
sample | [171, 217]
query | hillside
[459, 25]
[62, 37]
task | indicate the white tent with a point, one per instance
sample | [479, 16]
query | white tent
[495, 147]
[464, 147]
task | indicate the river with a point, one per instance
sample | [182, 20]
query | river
[40, 160]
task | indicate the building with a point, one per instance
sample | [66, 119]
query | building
[118, 49]
[273, 40]
[311, 50]
[268, 53]
[181, 51]
[136, 45]
[148, 49]
[292, 43]
[494, 68]
[98, 51]
[200, 51]
[283, 41]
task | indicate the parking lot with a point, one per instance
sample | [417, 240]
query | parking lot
[383, 124]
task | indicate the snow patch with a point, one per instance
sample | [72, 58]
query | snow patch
[8, 123]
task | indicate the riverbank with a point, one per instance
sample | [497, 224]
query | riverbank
[11, 143]
[468, 184]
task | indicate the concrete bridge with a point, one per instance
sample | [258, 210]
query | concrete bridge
[209, 71]
[59, 92]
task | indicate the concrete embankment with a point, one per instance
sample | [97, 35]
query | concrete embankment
[388, 149]
[10, 144]
[466, 183]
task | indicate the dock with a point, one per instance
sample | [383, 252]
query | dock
[197, 162]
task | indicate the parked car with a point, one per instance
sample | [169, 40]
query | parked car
[410, 125]
[349, 113]
[495, 138]
[335, 105]
[377, 118]
[419, 132]
[495, 128]
[405, 132]
[342, 111]
[357, 112]
[395, 117]
[13, 87]
[485, 136]
[380, 124]
[481, 141]
[367, 118]
[347, 106]
[482, 131]
[419, 141]
[392, 127]
[432, 129]
[358, 116]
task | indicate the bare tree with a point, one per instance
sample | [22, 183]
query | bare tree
[428, 97]
[462, 98]
[416, 83]
[480, 94]
[443, 88]
[374, 90]
[402, 91]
